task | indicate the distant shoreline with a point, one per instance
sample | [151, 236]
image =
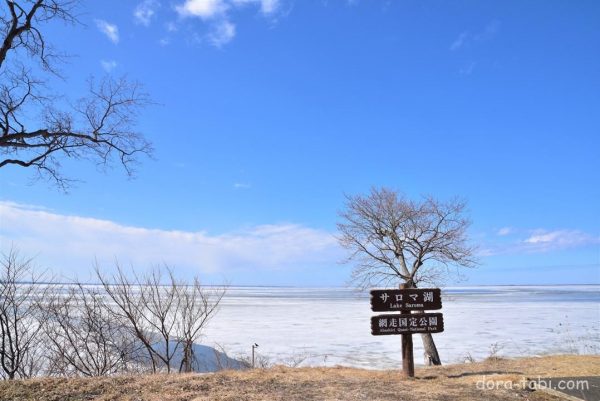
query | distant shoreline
[344, 286]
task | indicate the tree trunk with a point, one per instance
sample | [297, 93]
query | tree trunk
[431, 354]
[187, 357]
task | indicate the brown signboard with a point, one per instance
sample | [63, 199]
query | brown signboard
[406, 299]
[407, 323]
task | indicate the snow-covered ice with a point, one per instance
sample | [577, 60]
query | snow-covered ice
[331, 326]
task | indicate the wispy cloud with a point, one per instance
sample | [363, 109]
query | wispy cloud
[545, 240]
[505, 231]
[467, 38]
[518, 241]
[23, 206]
[267, 7]
[467, 69]
[145, 11]
[223, 33]
[491, 29]
[108, 65]
[68, 244]
[110, 30]
[459, 41]
[242, 185]
[171, 26]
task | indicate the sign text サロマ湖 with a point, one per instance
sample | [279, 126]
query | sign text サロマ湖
[406, 299]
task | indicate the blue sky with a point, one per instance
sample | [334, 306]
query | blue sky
[269, 111]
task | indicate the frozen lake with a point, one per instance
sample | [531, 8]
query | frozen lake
[331, 326]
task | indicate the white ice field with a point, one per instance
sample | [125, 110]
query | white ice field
[331, 326]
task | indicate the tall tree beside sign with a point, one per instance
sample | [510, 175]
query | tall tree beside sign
[406, 323]
[394, 240]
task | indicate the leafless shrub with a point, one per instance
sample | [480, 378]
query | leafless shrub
[84, 336]
[165, 315]
[224, 362]
[21, 317]
[263, 362]
[495, 349]
[197, 306]
[296, 359]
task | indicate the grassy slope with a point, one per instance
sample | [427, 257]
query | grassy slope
[453, 382]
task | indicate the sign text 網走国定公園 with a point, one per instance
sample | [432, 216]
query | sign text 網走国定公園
[407, 323]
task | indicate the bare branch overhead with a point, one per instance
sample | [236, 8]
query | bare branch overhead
[36, 130]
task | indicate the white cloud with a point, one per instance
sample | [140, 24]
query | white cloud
[220, 14]
[145, 11]
[242, 185]
[544, 240]
[23, 206]
[538, 241]
[110, 30]
[108, 65]
[223, 33]
[205, 9]
[267, 7]
[68, 244]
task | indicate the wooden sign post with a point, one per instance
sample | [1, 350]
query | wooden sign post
[408, 359]
[405, 300]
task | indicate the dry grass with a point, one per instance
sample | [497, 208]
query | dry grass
[453, 382]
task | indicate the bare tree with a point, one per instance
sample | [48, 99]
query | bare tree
[392, 239]
[162, 308]
[164, 314]
[130, 308]
[222, 361]
[21, 317]
[198, 305]
[83, 336]
[34, 131]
